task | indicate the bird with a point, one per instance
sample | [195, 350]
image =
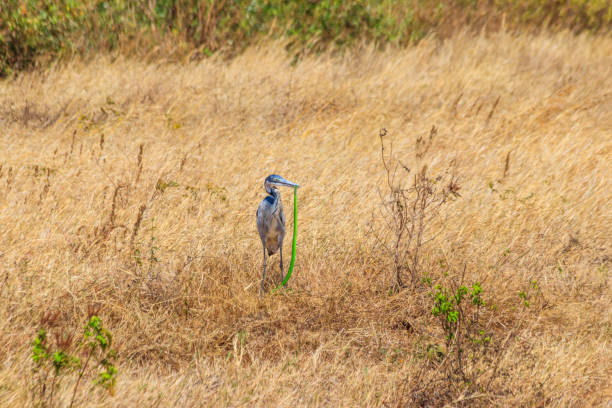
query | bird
[271, 221]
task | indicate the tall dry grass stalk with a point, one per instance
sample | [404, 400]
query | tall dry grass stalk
[131, 188]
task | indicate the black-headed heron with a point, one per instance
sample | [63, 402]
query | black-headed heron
[271, 221]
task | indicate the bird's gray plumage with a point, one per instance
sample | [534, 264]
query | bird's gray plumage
[271, 222]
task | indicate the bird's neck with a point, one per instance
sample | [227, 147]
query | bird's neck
[275, 193]
[277, 198]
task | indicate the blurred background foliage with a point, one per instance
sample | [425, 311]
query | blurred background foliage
[35, 32]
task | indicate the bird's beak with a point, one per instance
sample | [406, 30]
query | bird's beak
[279, 181]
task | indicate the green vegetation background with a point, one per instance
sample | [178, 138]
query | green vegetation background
[34, 32]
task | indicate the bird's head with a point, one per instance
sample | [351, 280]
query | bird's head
[273, 181]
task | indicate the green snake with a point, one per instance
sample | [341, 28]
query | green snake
[284, 282]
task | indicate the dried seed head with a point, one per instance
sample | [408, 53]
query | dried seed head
[93, 309]
[50, 318]
[64, 340]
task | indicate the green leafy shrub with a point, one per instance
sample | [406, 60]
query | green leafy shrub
[33, 31]
[467, 360]
[69, 359]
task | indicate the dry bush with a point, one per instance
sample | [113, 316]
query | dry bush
[139, 201]
[408, 210]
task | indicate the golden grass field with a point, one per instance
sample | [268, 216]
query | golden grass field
[87, 147]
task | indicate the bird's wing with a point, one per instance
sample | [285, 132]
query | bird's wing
[281, 215]
[262, 210]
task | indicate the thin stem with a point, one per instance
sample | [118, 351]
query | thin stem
[52, 389]
[76, 386]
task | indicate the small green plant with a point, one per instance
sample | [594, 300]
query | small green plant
[531, 293]
[162, 185]
[150, 254]
[216, 191]
[153, 248]
[468, 341]
[467, 358]
[448, 306]
[67, 359]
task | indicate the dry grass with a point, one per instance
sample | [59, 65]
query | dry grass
[106, 162]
